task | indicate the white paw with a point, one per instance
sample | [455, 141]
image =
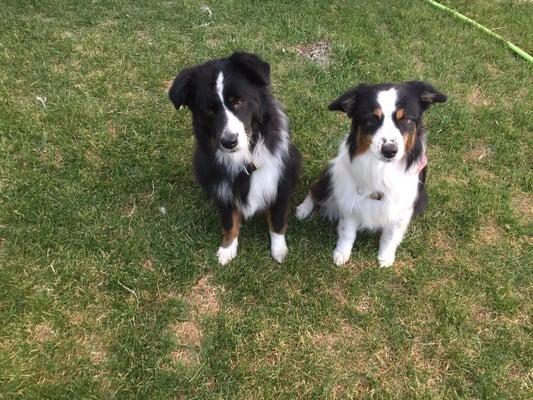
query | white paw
[278, 247]
[385, 261]
[340, 256]
[280, 253]
[305, 209]
[226, 254]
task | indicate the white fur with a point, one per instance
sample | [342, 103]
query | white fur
[306, 208]
[278, 246]
[226, 254]
[388, 132]
[240, 155]
[264, 180]
[354, 180]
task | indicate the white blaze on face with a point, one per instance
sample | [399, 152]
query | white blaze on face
[233, 125]
[388, 132]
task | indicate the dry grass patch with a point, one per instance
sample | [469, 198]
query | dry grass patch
[363, 305]
[478, 152]
[444, 245]
[489, 233]
[522, 204]
[42, 333]
[167, 84]
[188, 333]
[338, 293]
[186, 357]
[203, 298]
[476, 98]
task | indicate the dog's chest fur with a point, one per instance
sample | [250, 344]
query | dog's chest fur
[376, 193]
[251, 192]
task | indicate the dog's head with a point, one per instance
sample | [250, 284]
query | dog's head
[387, 118]
[225, 98]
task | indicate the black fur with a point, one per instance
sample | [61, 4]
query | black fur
[321, 189]
[359, 104]
[246, 77]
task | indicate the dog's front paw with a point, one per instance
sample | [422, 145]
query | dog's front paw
[278, 247]
[279, 253]
[385, 261]
[340, 256]
[226, 254]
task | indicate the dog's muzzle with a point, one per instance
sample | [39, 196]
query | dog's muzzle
[389, 150]
[229, 141]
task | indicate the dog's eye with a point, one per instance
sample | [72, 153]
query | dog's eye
[372, 121]
[237, 103]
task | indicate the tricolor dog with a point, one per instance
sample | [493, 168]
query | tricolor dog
[376, 182]
[244, 158]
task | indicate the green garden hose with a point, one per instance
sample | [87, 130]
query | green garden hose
[513, 47]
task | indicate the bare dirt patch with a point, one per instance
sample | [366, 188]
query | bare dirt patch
[203, 298]
[318, 53]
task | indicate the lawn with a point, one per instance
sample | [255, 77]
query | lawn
[109, 285]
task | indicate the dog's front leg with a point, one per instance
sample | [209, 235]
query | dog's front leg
[347, 231]
[391, 237]
[277, 222]
[231, 225]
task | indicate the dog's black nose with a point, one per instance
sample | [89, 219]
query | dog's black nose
[389, 150]
[229, 142]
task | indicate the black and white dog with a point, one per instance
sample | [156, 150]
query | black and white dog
[377, 180]
[244, 157]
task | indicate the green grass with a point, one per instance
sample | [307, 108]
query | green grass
[104, 296]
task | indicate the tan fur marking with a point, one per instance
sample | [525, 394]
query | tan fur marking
[400, 112]
[231, 234]
[409, 139]
[363, 143]
[378, 112]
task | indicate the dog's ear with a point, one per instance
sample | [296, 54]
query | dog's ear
[253, 67]
[345, 102]
[180, 91]
[427, 93]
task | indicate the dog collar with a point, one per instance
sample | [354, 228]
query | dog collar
[248, 169]
[376, 195]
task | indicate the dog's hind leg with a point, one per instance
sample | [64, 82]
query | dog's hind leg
[318, 194]
[306, 207]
